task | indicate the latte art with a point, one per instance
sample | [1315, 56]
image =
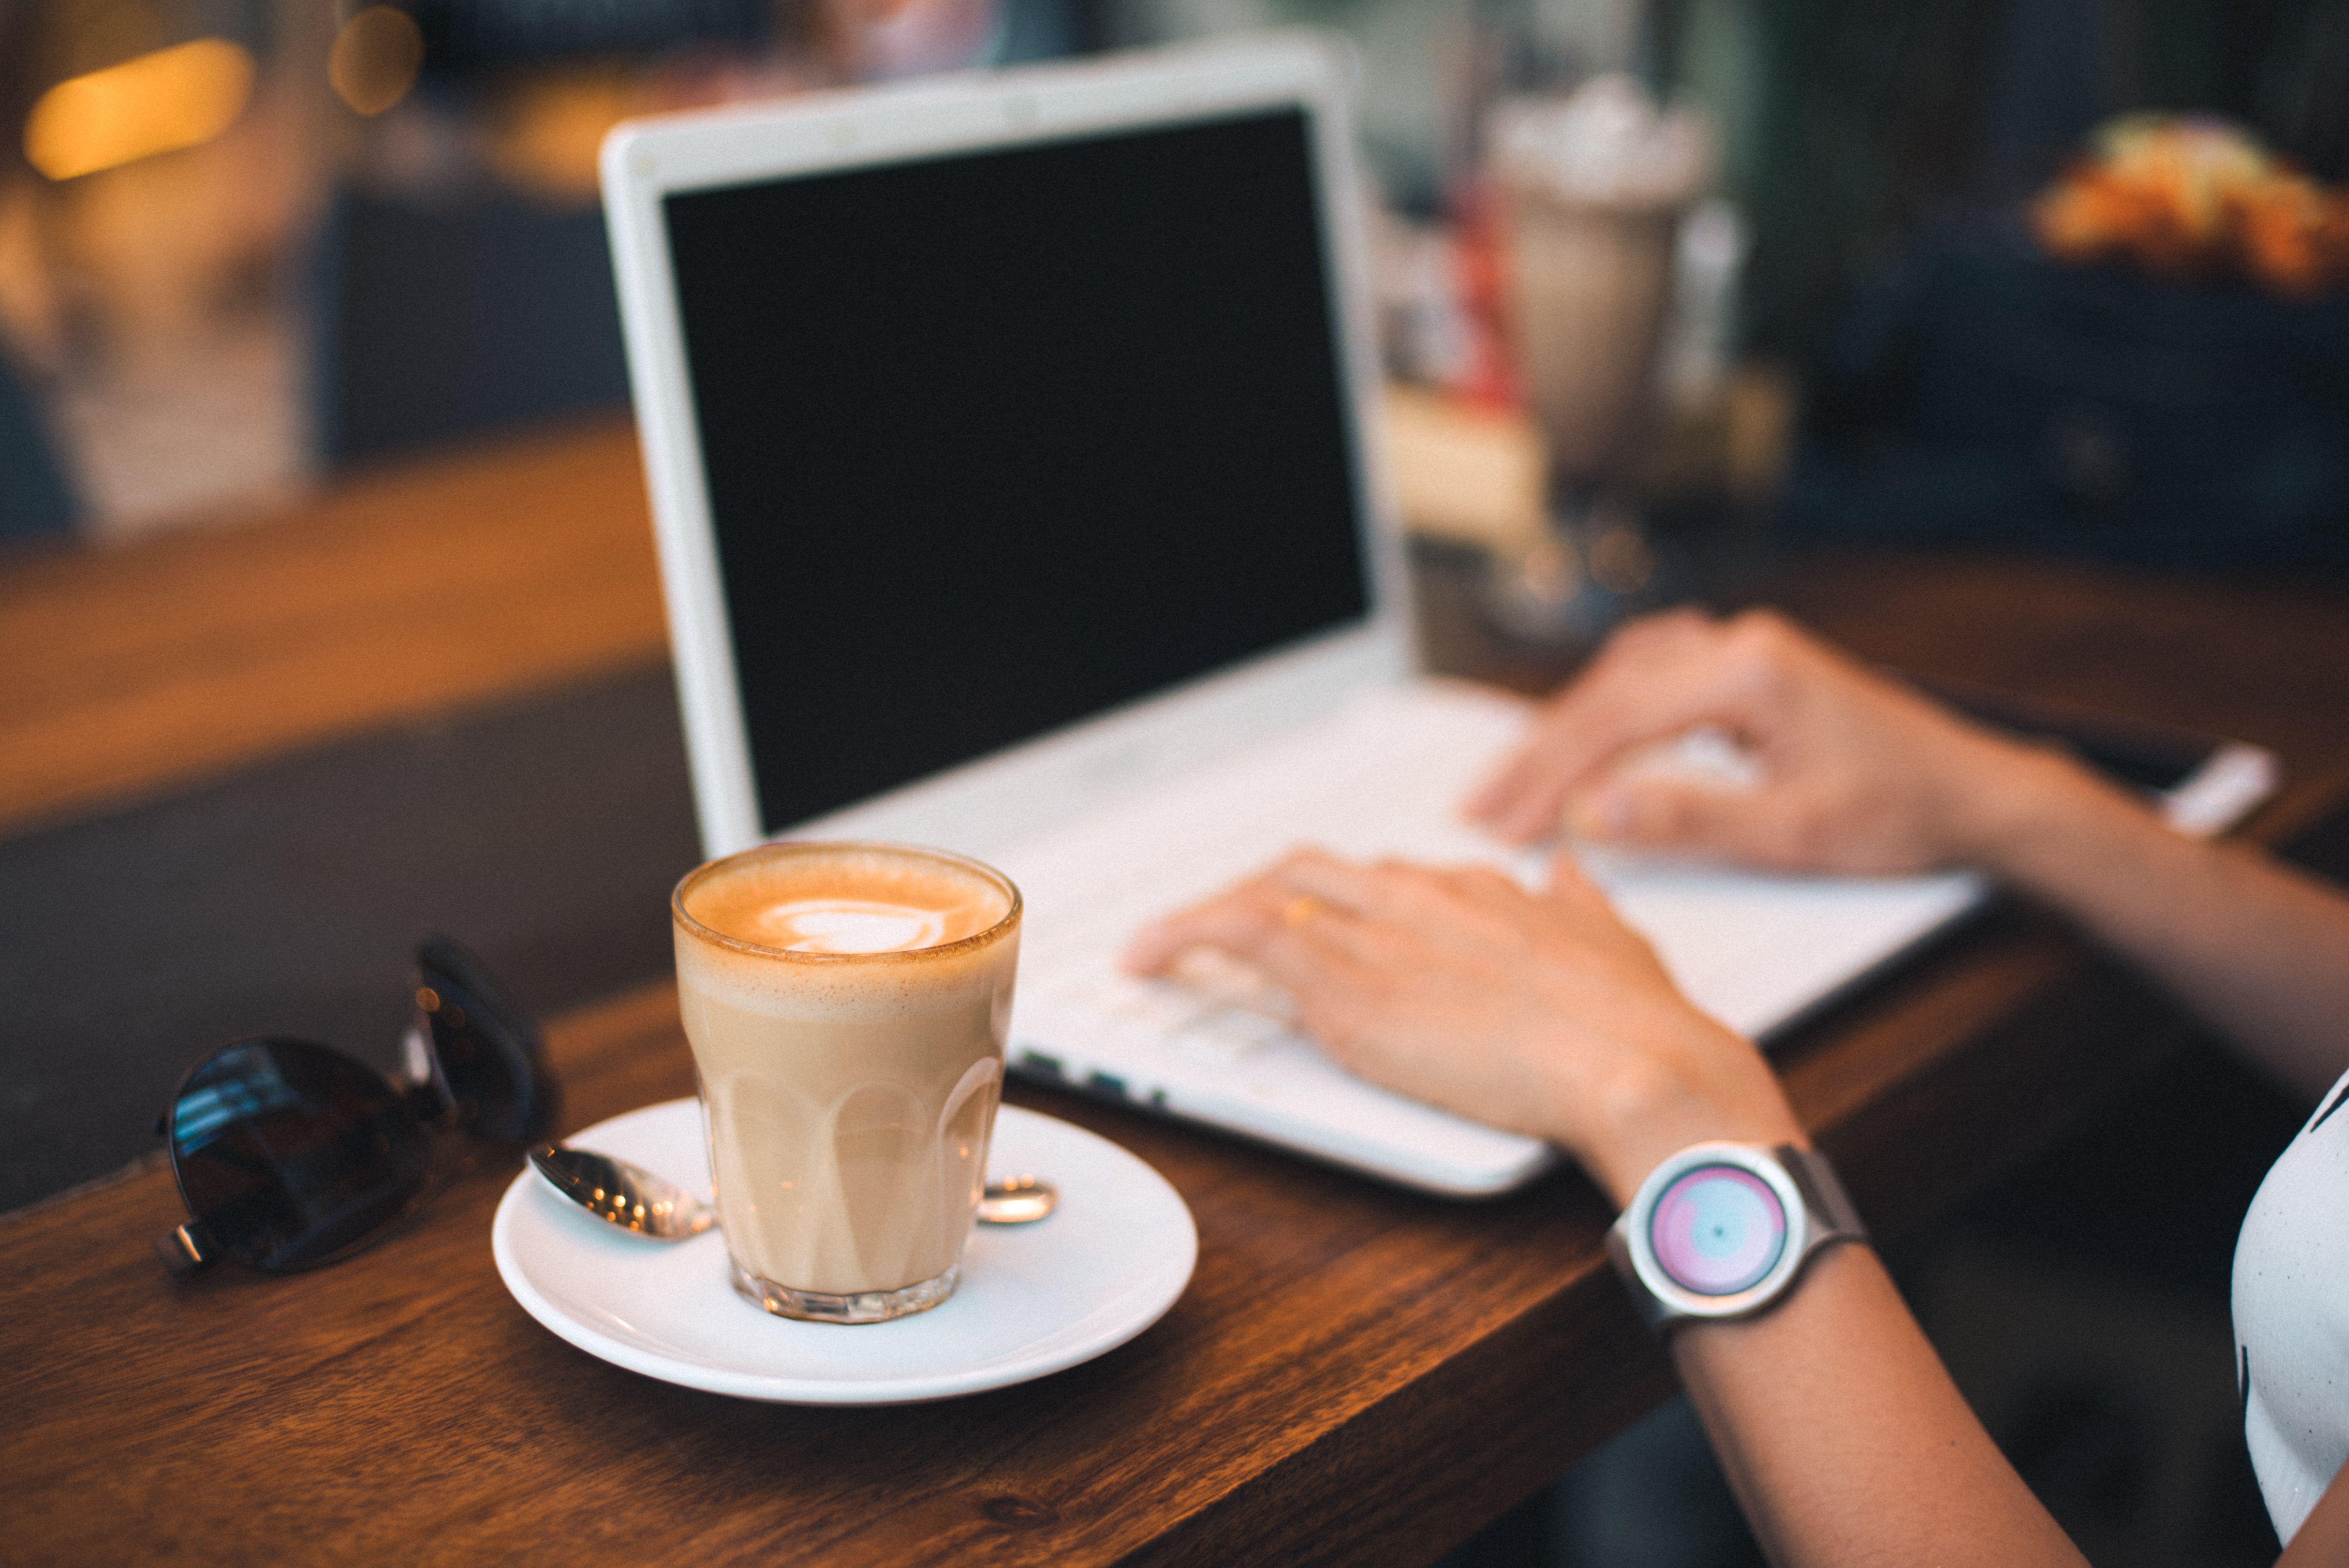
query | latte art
[842, 900]
[849, 925]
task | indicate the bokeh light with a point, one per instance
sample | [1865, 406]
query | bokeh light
[375, 57]
[159, 102]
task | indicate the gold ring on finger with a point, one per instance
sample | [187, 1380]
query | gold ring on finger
[1299, 910]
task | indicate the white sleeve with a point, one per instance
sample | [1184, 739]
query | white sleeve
[2292, 1316]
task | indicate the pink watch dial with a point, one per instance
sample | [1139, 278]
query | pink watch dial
[1717, 1230]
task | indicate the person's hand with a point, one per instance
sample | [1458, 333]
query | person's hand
[1856, 773]
[1540, 1013]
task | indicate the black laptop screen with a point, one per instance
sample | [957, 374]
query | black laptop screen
[996, 441]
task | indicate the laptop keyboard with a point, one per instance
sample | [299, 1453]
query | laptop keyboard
[1383, 780]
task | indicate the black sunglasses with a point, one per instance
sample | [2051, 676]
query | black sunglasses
[290, 1154]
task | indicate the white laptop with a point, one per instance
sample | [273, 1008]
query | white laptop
[1011, 451]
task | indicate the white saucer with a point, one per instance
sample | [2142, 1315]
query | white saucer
[1034, 1299]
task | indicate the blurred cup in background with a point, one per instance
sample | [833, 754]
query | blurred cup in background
[1591, 190]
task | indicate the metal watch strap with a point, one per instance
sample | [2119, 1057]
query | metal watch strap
[1822, 1194]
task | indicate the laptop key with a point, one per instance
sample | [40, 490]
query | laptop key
[1228, 1034]
[1148, 1007]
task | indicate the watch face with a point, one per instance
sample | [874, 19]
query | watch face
[1717, 1230]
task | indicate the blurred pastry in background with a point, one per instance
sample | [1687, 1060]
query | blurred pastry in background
[2196, 197]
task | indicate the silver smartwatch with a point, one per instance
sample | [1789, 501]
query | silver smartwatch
[1722, 1230]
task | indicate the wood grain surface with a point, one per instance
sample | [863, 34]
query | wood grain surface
[1357, 1375]
[421, 587]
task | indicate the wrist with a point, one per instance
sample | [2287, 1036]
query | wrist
[1655, 1107]
[2003, 805]
[2055, 831]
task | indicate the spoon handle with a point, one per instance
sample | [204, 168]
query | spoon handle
[635, 1199]
[631, 1198]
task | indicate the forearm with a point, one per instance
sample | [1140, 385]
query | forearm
[1845, 1440]
[2258, 949]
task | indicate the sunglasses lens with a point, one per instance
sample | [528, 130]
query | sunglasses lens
[490, 1055]
[292, 1153]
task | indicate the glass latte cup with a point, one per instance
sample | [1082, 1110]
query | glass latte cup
[846, 1004]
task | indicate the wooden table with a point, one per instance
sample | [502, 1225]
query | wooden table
[1356, 1375]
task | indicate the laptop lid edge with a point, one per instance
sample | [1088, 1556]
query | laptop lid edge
[692, 592]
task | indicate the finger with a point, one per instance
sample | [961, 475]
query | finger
[1666, 816]
[1293, 965]
[1393, 890]
[1553, 725]
[1320, 965]
[1595, 919]
[1641, 688]
[1237, 920]
[1570, 884]
[1619, 708]
[1305, 885]
[1310, 870]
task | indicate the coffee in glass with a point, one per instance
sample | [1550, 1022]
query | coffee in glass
[846, 1004]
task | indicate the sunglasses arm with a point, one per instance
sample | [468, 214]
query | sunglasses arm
[425, 1087]
[187, 1248]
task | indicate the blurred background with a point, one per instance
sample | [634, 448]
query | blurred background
[2057, 277]
[247, 243]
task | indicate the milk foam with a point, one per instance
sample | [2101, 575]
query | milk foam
[841, 930]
